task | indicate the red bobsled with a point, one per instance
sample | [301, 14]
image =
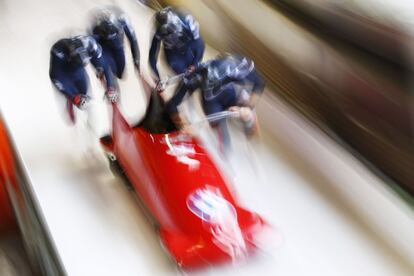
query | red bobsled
[199, 220]
[7, 174]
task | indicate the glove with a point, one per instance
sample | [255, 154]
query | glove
[246, 113]
[112, 95]
[236, 110]
[80, 101]
[250, 122]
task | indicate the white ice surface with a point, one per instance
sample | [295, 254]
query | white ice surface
[96, 223]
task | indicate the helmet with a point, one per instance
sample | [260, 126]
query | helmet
[106, 26]
[162, 16]
[105, 20]
[225, 66]
[74, 50]
[235, 66]
[168, 21]
[107, 29]
[217, 69]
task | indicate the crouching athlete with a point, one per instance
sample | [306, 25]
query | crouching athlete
[68, 58]
[228, 82]
[109, 27]
[179, 34]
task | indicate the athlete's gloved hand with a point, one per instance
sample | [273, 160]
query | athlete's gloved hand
[81, 101]
[112, 95]
[235, 109]
[249, 118]
[246, 113]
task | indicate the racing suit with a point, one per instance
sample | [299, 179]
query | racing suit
[112, 42]
[69, 76]
[223, 83]
[183, 48]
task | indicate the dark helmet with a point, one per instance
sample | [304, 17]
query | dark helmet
[234, 65]
[107, 29]
[105, 22]
[168, 22]
[224, 66]
[74, 50]
[162, 16]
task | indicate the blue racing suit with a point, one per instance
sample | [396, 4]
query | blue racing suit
[69, 76]
[113, 43]
[219, 81]
[182, 49]
[222, 83]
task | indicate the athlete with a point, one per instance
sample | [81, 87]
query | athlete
[68, 58]
[180, 37]
[229, 82]
[109, 26]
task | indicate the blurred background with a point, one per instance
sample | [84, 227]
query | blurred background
[333, 168]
